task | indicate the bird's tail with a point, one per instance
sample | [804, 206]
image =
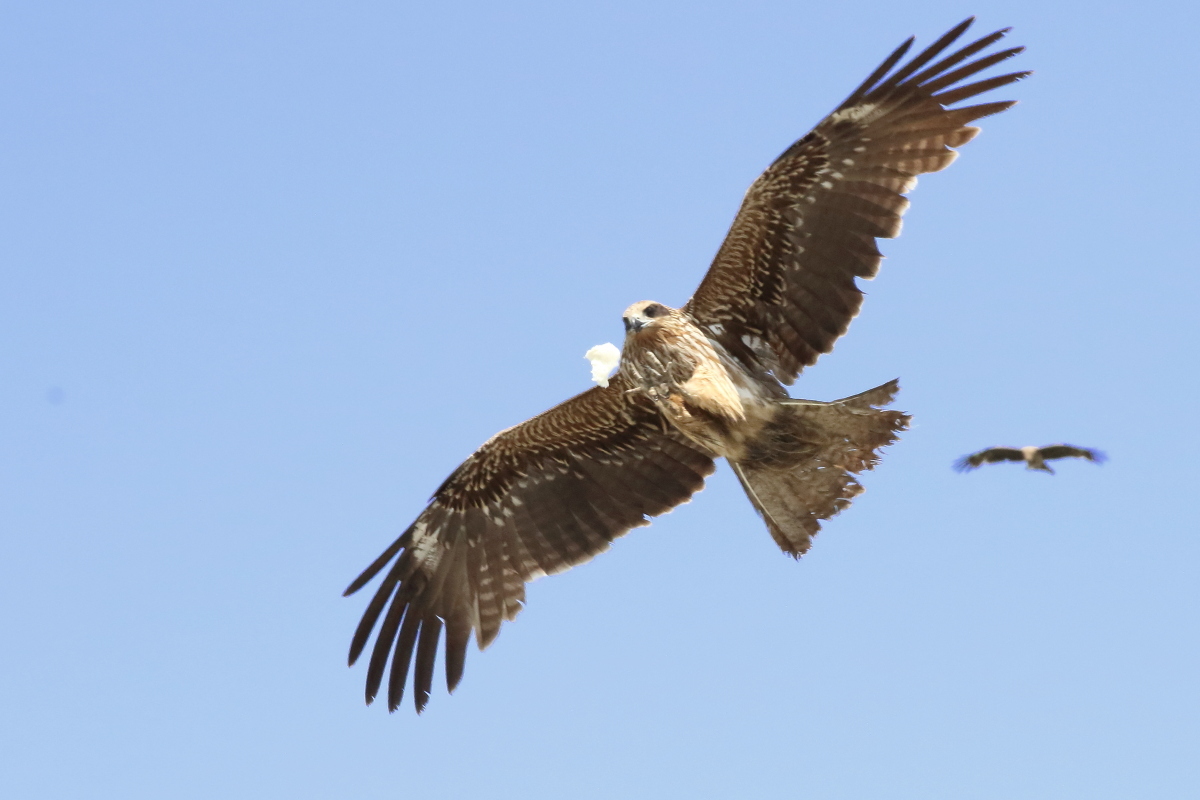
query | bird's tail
[801, 470]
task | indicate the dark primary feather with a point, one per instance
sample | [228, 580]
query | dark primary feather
[989, 456]
[1071, 451]
[535, 499]
[781, 289]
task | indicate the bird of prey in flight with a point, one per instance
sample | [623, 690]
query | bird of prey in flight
[696, 383]
[1034, 457]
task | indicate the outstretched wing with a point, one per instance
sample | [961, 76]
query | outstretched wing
[1071, 451]
[535, 499]
[781, 289]
[988, 456]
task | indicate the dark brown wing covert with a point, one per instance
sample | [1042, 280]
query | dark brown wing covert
[781, 289]
[534, 500]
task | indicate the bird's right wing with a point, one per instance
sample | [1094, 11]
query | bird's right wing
[781, 289]
[535, 499]
[989, 456]
[1070, 450]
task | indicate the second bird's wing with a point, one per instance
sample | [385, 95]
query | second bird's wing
[989, 456]
[1071, 451]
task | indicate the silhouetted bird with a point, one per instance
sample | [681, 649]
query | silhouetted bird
[1034, 457]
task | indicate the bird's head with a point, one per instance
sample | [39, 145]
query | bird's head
[644, 314]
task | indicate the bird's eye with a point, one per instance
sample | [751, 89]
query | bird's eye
[654, 310]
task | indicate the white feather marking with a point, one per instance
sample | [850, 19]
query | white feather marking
[426, 549]
[826, 185]
[854, 113]
[604, 359]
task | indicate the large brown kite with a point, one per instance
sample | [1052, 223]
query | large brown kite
[696, 383]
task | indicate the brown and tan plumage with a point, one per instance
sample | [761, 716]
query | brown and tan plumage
[695, 383]
[1034, 457]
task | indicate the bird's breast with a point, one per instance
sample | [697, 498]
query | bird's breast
[707, 397]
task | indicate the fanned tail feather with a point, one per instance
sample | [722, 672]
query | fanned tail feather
[802, 469]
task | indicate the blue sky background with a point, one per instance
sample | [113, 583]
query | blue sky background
[269, 271]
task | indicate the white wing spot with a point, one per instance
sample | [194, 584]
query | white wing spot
[848, 162]
[426, 550]
[854, 113]
[826, 185]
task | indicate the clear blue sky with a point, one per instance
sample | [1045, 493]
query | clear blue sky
[269, 271]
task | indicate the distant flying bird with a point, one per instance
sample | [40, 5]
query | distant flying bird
[1034, 457]
[695, 383]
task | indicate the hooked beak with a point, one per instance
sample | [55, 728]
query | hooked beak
[633, 325]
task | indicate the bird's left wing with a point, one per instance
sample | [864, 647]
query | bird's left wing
[781, 289]
[535, 499]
